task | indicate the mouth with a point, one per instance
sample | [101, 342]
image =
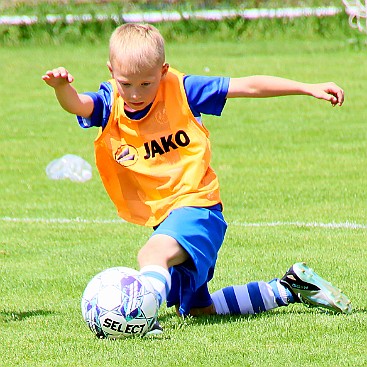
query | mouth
[136, 104]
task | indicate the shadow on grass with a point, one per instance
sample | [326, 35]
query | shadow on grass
[223, 319]
[10, 316]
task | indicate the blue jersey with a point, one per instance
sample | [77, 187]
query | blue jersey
[205, 95]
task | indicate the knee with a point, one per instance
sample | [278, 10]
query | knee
[152, 254]
[161, 250]
[142, 255]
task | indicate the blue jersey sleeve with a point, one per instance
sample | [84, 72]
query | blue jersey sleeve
[102, 107]
[206, 94]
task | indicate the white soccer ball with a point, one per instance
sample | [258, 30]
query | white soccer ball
[119, 302]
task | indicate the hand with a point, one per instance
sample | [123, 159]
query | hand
[57, 77]
[329, 92]
[70, 100]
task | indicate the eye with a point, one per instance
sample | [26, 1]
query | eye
[145, 84]
[123, 84]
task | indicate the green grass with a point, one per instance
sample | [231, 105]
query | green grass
[291, 159]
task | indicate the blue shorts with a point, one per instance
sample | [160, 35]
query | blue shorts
[200, 231]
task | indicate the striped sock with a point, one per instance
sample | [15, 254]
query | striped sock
[251, 298]
[160, 279]
[283, 295]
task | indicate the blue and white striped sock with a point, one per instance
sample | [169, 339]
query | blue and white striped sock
[283, 296]
[251, 298]
[160, 279]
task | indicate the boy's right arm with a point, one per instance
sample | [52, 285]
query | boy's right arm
[69, 99]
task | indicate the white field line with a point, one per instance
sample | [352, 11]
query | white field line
[333, 225]
[61, 220]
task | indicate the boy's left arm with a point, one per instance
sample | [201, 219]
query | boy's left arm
[260, 86]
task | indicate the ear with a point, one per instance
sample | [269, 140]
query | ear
[165, 68]
[110, 67]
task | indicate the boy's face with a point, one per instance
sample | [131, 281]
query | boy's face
[138, 89]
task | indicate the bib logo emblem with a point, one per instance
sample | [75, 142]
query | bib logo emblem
[126, 155]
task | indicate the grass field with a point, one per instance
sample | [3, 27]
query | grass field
[294, 183]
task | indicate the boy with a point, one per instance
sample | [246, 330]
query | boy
[153, 155]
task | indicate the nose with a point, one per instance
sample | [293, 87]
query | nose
[134, 95]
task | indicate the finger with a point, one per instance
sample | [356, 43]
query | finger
[49, 73]
[58, 72]
[333, 100]
[63, 72]
[338, 93]
[337, 99]
[340, 97]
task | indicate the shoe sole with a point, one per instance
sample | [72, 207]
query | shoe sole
[153, 333]
[336, 300]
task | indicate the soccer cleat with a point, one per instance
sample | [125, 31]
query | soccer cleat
[314, 291]
[155, 330]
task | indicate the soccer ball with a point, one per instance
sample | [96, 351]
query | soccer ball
[119, 302]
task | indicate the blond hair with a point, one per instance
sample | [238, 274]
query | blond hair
[136, 46]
